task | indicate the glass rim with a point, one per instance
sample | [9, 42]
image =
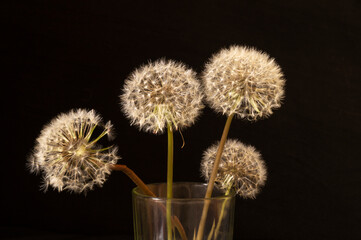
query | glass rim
[142, 195]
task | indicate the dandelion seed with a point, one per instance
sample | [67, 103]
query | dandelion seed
[162, 93]
[241, 168]
[70, 156]
[244, 82]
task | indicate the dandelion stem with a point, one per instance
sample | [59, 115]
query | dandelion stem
[224, 204]
[133, 177]
[169, 179]
[170, 163]
[213, 176]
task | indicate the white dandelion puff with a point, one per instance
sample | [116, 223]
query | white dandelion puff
[68, 152]
[162, 93]
[241, 167]
[243, 81]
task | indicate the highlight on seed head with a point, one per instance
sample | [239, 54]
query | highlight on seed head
[241, 168]
[243, 81]
[162, 93]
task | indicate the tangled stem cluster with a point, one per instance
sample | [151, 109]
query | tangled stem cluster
[244, 82]
[68, 153]
[162, 93]
[241, 168]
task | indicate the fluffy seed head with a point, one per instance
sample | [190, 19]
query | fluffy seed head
[244, 82]
[68, 154]
[241, 167]
[161, 93]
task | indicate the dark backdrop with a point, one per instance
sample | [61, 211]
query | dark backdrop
[60, 55]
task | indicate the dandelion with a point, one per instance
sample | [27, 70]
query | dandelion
[244, 82]
[241, 168]
[162, 93]
[69, 155]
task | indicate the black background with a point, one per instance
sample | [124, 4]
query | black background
[60, 55]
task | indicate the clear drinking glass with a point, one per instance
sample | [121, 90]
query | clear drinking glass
[186, 206]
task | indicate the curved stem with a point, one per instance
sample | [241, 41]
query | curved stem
[213, 177]
[129, 172]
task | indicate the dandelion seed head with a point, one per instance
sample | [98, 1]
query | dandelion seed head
[241, 167]
[243, 81]
[162, 93]
[69, 155]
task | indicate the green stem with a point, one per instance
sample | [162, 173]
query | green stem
[213, 177]
[225, 202]
[170, 163]
[169, 180]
